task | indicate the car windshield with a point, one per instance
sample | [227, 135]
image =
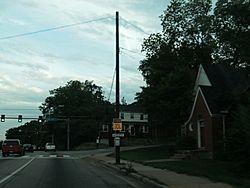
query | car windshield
[10, 142]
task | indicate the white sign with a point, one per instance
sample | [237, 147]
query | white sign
[118, 135]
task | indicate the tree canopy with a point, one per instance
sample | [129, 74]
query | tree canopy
[192, 34]
[80, 103]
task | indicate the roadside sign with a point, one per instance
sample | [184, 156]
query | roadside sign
[118, 135]
[117, 124]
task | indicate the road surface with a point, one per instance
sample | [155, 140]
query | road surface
[60, 170]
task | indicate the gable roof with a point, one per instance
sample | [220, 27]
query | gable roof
[223, 84]
[227, 84]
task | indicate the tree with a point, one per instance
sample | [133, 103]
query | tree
[232, 27]
[186, 41]
[238, 136]
[80, 103]
[31, 132]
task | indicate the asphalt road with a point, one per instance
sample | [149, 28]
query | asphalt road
[60, 170]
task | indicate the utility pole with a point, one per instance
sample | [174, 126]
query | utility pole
[117, 106]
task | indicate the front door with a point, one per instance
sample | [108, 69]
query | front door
[132, 130]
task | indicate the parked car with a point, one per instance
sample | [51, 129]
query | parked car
[28, 147]
[50, 147]
[12, 146]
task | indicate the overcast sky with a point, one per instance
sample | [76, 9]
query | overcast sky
[32, 65]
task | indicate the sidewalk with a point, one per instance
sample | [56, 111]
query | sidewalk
[159, 177]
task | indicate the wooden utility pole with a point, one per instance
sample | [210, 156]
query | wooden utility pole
[117, 106]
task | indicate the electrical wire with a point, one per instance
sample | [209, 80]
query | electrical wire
[111, 88]
[53, 28]
[132, 51]
[135, 26]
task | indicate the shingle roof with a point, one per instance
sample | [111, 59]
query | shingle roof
[227, 84]
[134, 107]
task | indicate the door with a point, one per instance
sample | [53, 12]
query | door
[132, 130]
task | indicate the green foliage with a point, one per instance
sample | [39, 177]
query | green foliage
[232, 28]
[31, 132]
[238, 138]
[82, 105]
[186, 42]
[191, 35]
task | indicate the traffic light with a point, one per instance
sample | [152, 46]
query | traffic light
[40, 119]
[20, 118]
[2, 118]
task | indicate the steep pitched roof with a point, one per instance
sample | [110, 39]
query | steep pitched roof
[227, 83]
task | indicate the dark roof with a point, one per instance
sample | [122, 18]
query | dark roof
[228, 83]
[134, 107]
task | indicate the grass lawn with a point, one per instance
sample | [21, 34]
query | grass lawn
[214, 170]
[151, 153]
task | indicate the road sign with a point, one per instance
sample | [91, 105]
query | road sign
[118, 135]
[117, 126]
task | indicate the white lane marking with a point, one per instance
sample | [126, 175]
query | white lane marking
[67, 156]
[53, 156]
[16, 171]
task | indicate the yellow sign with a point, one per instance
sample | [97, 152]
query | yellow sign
[117, 126]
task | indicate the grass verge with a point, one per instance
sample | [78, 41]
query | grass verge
[214, 170]
[151, 153]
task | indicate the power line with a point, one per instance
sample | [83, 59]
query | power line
[53, 28]
[133, 58]
[135, 26]
[132, 51]
[112, 85]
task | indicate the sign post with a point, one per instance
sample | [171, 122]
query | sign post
[117, 127]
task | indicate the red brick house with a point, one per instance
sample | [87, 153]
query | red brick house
[216, 89]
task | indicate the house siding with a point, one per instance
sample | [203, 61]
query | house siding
[201, 112]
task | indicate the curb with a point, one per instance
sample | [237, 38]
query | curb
[136, 175]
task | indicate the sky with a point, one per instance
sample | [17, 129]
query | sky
[37, 62]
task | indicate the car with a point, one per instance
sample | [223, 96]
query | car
[50, 147]
[12, 146]
[28, 147]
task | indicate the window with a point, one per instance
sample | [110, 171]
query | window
[105, 128]
[122, 115]
[141, 117]
[132, 116]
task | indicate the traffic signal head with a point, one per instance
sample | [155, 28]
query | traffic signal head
[2, 118]
[20, 117]
[40, 119]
